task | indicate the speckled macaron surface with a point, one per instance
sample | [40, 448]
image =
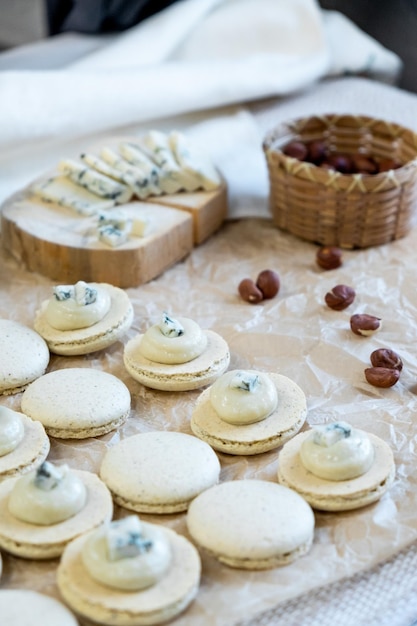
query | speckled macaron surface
[267, 434]
[24, 356]
[251, 524]
[92, 338]
[32, 541]
[159, 472]
[30, 452]
[337, 495]
[19, 607]
[194, 374]
[156, 604]
[76, 403]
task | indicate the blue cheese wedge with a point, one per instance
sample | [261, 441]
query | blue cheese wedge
[95, 182]
[158, 145]
[63, 192]
[133, 175]
[193, 162]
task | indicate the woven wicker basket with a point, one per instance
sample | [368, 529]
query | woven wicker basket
[347, 210]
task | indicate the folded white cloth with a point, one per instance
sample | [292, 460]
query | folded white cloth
[195, 56]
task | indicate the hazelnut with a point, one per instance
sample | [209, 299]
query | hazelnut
[365, 325]
[249, 291]
[340, 297]
[296, 150]
[329, 257]
[364, 164]
[384, 357]
[317, 151]
[382, 376]
[268, 282]
[388, 164]
[341, 162]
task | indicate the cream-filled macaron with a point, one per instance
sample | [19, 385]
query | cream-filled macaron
[84, 318]
[21, 607]
[76, 403]
[251, 524]
[176, 355]
[159, 472]
[336, 467]
[43, 510]
[249, 412]
[24, 444]
[150, 578]
[24, 356]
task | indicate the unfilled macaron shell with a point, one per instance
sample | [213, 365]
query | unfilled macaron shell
[337, 495]
[77, 402]
[19, 607]
[92, 338]
[251, 524]
[159, 472]
[24, 356]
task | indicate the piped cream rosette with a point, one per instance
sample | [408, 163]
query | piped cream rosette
[176, 355]
[336, 467]
[24, 443]
[129, 572]
[84, 318]
[249, 412]
[47, 507]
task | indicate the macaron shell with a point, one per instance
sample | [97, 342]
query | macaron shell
[77, 402]
[29, 454]
[96, 337]
[197, 373]
[24, 356]
[337, 495]
[20, 607]
[262, 436]
[156, 604]
[251, 524]
[31, 541]
[159, 472]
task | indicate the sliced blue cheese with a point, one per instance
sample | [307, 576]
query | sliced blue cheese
[48, 476]
[138, 179]
[170, 327]
[245, 381]
[158, 145]
[125, 539]
[114, 227]
[101, 166]
[112, 236]
[135, 156]
[63, 192]
[329, 434]
[95, 182]
[194, 162]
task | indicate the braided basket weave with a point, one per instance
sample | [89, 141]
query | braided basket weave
[347, 210]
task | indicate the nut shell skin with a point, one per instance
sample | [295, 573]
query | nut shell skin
[296, 150]
[384, 357]
[329, 257]
[340, 297]
[249, 291]
[364, 325]
[382, 376]
[268, 282]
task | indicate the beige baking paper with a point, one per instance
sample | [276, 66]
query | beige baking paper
[294, 334]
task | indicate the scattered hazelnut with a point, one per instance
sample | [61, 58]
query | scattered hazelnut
[340, 297]
[382, 376]
[249, 291]
[268, 282]
[384, 357]
[329, 257]
[365, 325]
[296, 150]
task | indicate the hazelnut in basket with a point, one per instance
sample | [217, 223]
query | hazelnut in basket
[342, 180]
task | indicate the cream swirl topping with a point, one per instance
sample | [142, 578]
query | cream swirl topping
[243, 397]
[77, 306]
[127, 554]
[337, 452]
[12, 430]
[47, 496]
[173, 341]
